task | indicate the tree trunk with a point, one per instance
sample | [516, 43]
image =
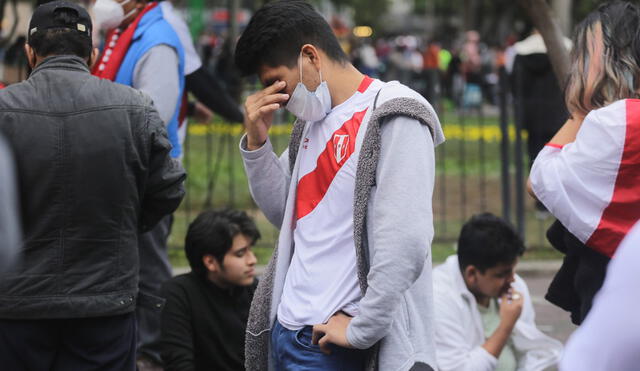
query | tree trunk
[562, 8]
[545, 21]
[233, 10]
[498, 21]
[470, 15]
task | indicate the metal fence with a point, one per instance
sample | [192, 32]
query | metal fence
[481, 167]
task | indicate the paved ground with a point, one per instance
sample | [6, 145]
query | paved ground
[550, 319]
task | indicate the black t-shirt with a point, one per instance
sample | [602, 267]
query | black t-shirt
[203, 326]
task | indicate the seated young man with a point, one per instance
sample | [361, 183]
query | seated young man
[205, 315]
[484, 314]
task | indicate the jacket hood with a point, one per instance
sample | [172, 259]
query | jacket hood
[532, 52]
[534, 44]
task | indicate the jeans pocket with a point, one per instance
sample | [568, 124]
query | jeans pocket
[303, 338]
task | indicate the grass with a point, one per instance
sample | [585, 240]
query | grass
[469, 158]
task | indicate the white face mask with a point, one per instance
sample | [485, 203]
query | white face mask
[110, 14]
[310, 105]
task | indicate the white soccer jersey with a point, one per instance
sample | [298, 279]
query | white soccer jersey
[593, 184]
[322, 278]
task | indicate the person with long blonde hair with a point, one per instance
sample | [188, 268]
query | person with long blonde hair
[588, 176]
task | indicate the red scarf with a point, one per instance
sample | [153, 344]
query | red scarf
[116, 46]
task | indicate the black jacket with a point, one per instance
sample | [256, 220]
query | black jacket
[94, 170]
[203, 326]
[538, 90]
[580, 277]
[9, 221]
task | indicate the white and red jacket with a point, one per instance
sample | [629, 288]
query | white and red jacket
[593, 184]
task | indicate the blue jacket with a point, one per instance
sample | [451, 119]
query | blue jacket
[152, 31]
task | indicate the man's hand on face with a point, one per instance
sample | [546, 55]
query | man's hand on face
[259, 109]
[334, 332]
[511, 307]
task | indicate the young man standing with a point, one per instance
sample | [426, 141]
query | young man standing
[484, 314]
[205, 316]
[349, 285]
[92, 159]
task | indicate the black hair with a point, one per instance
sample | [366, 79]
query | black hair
[212, 233]
[486, 241]
[62, 41]
[277, 32]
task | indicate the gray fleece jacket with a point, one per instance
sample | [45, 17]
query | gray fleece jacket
[393, 230]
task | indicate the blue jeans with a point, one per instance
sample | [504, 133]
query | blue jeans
[293, 351]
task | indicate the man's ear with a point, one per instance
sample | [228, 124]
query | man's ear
[211, 263]
[311, 52]
[93, 58]
[470, 274]
[31, 55]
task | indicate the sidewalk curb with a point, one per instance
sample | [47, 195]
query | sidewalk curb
[536, 267]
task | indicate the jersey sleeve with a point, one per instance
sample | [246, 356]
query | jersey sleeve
[576, 181]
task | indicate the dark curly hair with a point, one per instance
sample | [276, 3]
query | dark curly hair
[486, 241]
[277, 32]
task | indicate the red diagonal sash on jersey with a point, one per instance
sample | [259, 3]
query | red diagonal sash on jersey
[624, 209]
[313, 186]
[364, 84]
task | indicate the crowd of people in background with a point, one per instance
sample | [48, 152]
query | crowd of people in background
[90, 174]
[465, 71]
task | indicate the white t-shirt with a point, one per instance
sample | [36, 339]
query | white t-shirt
[507, 360]
[322, 278]
[191, 57]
